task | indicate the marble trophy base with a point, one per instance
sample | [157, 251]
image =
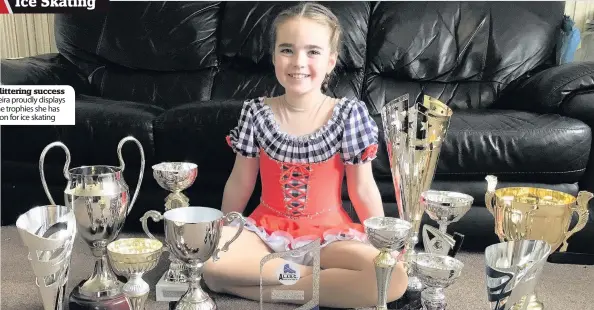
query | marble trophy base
[169, 291]
[80, 302]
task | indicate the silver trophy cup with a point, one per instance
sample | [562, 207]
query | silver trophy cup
[49, 232]
[414, 133]
[513, 269]
[193, 235]
[386, 234]
[100, 199]
[437, 272]
[174, 177]
[445, 208]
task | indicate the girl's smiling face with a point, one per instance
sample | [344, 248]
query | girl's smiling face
[302, 55]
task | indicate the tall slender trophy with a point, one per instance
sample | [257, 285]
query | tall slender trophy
[445, 208]
[529, 213]
[414, 133]
[49, 232]
[174, 177]
[513, 269]
[100, 199]
[386, 234]
[437, 272]
[193, 235]
[132, 258]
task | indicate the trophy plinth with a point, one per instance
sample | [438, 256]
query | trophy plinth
[387, 235]
[174, 177]
[133, 257]
[78, 301]
[437, 272]
[445, 208]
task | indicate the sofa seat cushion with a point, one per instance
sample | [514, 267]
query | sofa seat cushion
[93, 140]
[513, 145]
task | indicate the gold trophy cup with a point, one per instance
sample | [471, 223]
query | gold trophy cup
[529, 213]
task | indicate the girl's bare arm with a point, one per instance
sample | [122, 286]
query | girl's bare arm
[240, 185]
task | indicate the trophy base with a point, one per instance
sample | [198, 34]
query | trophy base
[80, 302]
[169, 291]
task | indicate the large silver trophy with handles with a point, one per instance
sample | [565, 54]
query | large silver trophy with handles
[414, 132]
[100, 199]
[49, 232]
[193, 235]
[174, 177]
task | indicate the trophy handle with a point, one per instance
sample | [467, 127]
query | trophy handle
[42, 160]
[229, 218]
[156, 217]
[490, 194]
[581, 208]
[123, 166]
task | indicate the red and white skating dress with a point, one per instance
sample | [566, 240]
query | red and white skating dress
[302, 175]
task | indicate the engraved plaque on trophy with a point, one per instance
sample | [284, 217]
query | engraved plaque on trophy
[288, 269]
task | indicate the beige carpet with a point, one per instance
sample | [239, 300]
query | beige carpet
[562, 287]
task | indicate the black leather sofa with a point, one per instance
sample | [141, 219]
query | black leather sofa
[174, 76]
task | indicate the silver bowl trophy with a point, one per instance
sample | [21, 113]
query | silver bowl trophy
[193, 235]
[174, 177]
[513, 269]
[445, 208]
[49, 232]
[437, 272]
[100, 200]
[413, 134]
[386, 234]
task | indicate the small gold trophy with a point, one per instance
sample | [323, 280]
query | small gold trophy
[529, 213]
[132, 258]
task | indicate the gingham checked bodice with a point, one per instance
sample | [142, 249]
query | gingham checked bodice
[291, 166]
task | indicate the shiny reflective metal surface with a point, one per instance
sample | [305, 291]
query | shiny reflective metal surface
[133, 257]
[193, 235]
[444, 207]
[100, 199]
[386, 234]
[513, 269]
[436, 272]
[414, 132]
[49, 232]
[536, 213]
[175, 177]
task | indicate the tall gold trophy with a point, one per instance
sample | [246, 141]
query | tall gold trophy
[414, 132]
[529, 213]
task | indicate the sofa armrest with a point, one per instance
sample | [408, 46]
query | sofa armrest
[45, 69]
[547, 90]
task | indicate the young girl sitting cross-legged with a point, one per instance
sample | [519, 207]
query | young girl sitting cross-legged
[302, 143]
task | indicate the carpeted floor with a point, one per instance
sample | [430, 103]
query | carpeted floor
[561, 287]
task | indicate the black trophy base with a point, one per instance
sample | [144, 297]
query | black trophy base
[411, 300]
[79, 302]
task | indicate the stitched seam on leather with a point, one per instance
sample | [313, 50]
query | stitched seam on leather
[515, 172]
[563, 82]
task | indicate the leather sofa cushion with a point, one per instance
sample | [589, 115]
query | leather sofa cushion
[460, 43]
[93, 140]
[513, 145]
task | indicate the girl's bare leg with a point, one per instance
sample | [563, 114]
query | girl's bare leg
[240, 266]
[347, 281]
